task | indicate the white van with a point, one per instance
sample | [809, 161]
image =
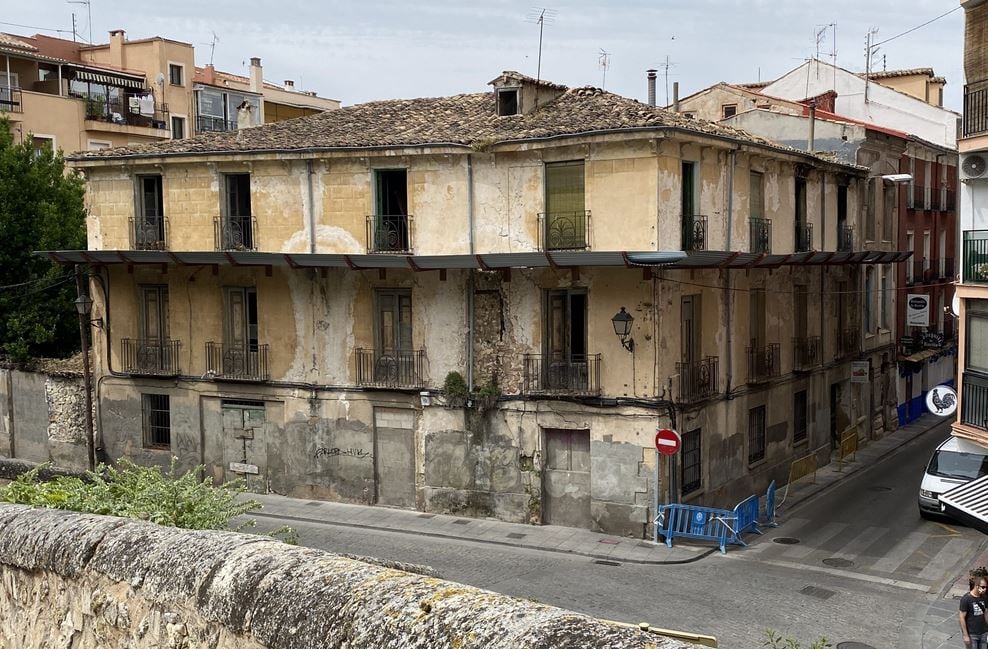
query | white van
[955, 462]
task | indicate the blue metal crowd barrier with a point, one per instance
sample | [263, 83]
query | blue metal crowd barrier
[694, 522]
[770, 506]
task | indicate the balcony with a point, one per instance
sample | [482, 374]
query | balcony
[235, 233]
[804, 237]
[10, 100]
[806, 353]
[945, 268]
[697, 379]
[848, 342]
[150, 357]
[760, 235]
[237, 362]
[845, 237]
[389, 234]
[148, 233]
[209, 124]
[128, 111]
[564, 230]
[922, 272]
[694, 232]
[918, 197]
[394, 369]
[976, 257]
[763, 363]
[948, 200]
[578, 375]
[975, 120]
[974, 400]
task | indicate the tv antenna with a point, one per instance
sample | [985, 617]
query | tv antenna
[665, 67]
[212, 47]
[89, 11]
[540, 16]
[604, 62]
[870, 52]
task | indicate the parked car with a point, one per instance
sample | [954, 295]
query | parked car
[955, 462]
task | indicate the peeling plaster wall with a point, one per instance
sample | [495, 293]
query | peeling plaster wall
[78, 580]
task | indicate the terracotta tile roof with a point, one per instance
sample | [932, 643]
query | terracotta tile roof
[12, 42]
[468, 120]
[887, 74]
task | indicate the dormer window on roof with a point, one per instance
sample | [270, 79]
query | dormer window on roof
[507, 101]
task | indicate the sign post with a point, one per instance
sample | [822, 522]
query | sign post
[667, 442]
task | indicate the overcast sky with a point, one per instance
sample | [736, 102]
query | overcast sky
[359, 51]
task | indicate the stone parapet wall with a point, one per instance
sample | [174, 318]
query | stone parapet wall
[87, 582]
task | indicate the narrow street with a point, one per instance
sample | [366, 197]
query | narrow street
[865, 567]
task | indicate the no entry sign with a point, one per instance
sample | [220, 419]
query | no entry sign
[667, 441]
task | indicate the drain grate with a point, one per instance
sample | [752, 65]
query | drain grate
[427, 515]
[879, 488]
[313, 503]
[646, 545]
[816, 591]
[837, 562]
[516, 535]
[785, 540]
[853, 645]
[461, 521]
[605, 562]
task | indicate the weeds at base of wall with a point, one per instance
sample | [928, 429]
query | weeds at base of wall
[534, 490]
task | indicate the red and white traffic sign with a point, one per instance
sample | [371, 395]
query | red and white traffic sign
[667, 441]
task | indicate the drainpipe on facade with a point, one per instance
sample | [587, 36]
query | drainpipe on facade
[733, 156]
[470, 314]
[311, 208]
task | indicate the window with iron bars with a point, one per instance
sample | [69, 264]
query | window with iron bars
[756, 434]
[690, 461]
[157, 420]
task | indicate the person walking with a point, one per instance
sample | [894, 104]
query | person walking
[974, 625]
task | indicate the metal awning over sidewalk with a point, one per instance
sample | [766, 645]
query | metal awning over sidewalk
[968, 503]
[491, 261]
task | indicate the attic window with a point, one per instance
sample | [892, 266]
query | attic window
[729, 110]
[507, 101]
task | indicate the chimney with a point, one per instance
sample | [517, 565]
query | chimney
[256, 78]
[209, 74]
[117, 38]
[675, 96]
[289, 85]
[651, 87]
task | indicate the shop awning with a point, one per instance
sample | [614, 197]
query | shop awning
[919, 356]
[491, 261]
[111, 79]
[968, 503]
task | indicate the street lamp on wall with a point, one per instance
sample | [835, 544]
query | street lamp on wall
[622, 327]
[84, 306]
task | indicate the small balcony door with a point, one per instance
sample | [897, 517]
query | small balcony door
[149, 229]
[237, 231]
[691, 328]
[241, 318]
[154, 313]
[565, 365]
[394, 358]
[565, 206]
[390, 221]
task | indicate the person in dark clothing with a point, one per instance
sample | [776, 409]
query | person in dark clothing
[974, 624]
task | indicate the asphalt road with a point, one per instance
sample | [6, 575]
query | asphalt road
[864, 564]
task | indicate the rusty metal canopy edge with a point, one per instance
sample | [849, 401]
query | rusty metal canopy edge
[490, 261]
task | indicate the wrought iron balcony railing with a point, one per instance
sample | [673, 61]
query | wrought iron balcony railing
[975, 120]
[922, 271]
[806, 353]
[760, 232]
[848, 342]
[945, 267]
[209, 124]
[975, 256]
[698, 380]
[149, 233]
[10, 100]
[694, 232]
[389, 233]
[918, 197]
[763, 363]
[395, 369]
[564, 230]
[577, 375]
[974, 399]
[845, 237]
[237, 362]
[129, 111]
[947, 200]
[235, 232]
[151, 357]
[804, 237]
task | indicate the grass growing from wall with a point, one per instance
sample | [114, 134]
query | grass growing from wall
[146, 493]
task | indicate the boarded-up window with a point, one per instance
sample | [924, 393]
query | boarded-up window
[756, 181]
[691, 468]
[564, 187]
[567, 450]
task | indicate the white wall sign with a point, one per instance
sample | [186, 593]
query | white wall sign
[239, 467]
[917, 310]
[859, 371]
[942, 401]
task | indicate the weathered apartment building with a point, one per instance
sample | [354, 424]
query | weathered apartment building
[321, 279]
[915, 347]
[75, 96]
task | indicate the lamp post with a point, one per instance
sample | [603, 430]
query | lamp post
[622, 327]
[84, 306]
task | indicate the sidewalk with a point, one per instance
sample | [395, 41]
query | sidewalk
[550, 538]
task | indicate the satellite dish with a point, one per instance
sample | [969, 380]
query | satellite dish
[955, 306]
[160, 78]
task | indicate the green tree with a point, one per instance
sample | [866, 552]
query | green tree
[41, 208]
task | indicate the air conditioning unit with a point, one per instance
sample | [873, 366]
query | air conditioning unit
[974, 165]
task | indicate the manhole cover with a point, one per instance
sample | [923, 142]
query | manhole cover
[785, 540]
[605, 562]
[879, 488]
[427, 515]
[609, 541]
[516, 535]
[853, 645]
[837, 562]
[816, 591]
